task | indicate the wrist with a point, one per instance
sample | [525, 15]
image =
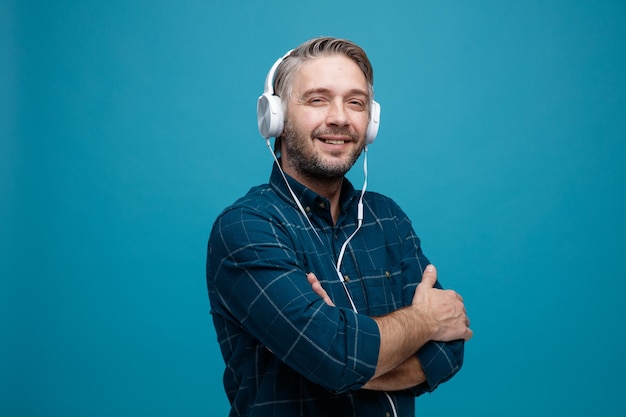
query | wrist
[425, 324]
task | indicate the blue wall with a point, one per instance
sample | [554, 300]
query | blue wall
[127, 127]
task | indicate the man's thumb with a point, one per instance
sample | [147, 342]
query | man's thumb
[429, 278]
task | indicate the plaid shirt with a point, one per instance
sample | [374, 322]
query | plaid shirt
[287, 353]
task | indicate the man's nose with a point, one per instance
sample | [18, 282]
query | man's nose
[337, 114]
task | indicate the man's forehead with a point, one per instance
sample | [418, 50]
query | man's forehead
[330, 72]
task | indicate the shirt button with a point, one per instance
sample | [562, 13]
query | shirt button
[388, 414]
[307, 209]
[387, 274]
[322, 205]
[346, 278]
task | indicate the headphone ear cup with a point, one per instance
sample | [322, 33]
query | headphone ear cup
[269, 114]
[374, 124]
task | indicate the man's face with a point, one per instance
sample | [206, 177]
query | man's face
[326, 119]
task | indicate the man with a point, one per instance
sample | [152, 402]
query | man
[308, 324]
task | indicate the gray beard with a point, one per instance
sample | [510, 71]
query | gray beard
[311, 166]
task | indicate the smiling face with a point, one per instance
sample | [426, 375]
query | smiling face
[326, 119]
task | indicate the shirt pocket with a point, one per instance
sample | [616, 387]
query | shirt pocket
[383, 290]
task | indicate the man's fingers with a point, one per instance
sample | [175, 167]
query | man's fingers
[429, 278]
[318, 289]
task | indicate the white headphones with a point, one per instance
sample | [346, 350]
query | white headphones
[269, 110]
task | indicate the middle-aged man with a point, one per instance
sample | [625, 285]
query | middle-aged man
[323, 302]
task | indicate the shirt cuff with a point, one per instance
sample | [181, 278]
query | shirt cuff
[363, 345]
[440, 361]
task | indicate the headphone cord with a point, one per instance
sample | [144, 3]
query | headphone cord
[337, 266]
[359, 213]
[345, 244]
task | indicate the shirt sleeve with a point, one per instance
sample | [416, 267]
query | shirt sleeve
[255, 273]
[440, 361]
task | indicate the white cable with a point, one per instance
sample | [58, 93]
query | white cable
[359, 215]
[293, 195]
[393, 406]
[345, 244]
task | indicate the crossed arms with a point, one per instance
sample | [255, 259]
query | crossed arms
[255, 271]
[434, 314]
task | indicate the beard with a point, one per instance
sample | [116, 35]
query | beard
[307, 162]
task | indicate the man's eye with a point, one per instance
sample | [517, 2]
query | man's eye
[317, 101]
[357, 104]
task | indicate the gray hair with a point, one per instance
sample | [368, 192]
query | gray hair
[314, 48]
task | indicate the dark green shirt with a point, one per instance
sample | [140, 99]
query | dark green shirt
[286, 352]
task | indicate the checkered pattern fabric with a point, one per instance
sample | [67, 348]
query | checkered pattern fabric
[286, 352]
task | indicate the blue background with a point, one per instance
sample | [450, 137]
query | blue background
[128, 126]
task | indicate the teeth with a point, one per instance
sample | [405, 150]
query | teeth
[335, 142]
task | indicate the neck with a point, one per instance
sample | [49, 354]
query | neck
[329, 188]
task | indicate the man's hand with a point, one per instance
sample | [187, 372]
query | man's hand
[444, 309]
[317, 288]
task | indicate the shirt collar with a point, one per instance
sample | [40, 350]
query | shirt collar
[306, 196]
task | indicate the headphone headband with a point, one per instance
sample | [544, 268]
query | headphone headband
[269, 79]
